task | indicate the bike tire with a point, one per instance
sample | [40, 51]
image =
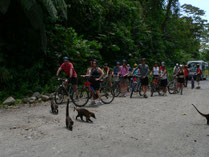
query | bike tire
[59, 95]
[116, 90]
[82, 98]
[171, 87]
[107, 95]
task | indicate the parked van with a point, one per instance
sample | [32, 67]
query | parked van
[192, 66]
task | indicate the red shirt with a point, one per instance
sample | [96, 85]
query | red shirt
[186, 72]
[67, 68]
[198, 71]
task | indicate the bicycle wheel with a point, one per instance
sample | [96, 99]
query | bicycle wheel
[59, 95]
[107, 95]
[133, 89]
[116, 89]
[80, 96]
[172, 87]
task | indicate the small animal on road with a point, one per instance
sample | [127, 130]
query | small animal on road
[69, 121]
[204, 115]
[84, 112]
[54, 107]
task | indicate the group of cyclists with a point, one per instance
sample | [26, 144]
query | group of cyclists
[123, 71]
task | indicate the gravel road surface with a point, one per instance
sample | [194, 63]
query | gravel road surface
[155, 127]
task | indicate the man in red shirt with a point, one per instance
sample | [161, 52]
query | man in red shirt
[198, 75]
[70, 72]
[186, 72]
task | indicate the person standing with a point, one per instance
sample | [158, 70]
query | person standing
[198, 76]
[68, 67]
[180, 79]
[155, 72]
[186, 72]
[96, 75]
[176, 69]
[108, 74]
[144, 70]
[116, 71]
[123, 73]
[164, 79]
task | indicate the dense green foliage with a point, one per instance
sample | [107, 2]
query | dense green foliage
[35, 35]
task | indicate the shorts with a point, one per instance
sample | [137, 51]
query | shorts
[73, 80]
[155, 76]
[95, 84]
[163, 83]
[124, 80]
[144, 81]
[180, 80]
[198, 78]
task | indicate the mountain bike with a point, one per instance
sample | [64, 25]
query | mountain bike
[116, 86]
[136, 86]
[155, 87]
[63, 91]
[86, 92]
[172, 85]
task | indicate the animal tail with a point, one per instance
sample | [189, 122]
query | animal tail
[199, 111]
[67, 108]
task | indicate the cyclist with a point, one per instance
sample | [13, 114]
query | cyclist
[144, 70]
[123, 73]
[67, 66]
[186, 72]
[155, 72]
[116, 70]
[181, 77]
[108, 74]
[164, 78]
[96, 74]
[198, 75]
[135, 70]
[176, 69]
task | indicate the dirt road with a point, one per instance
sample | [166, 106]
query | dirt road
[154, 127]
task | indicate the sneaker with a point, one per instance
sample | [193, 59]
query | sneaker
[145, 96]
[99, 102]
[92, 102]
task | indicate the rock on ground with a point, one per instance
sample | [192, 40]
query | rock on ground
[9, 101]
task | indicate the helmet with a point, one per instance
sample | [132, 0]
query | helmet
[162, 62]
[185, 66]
[65, 58]
[124, 60]
[135, 65]
[117, 62]
[105, 64]
[177, 64]
[181, 66]
[156, 62]
[143, 59]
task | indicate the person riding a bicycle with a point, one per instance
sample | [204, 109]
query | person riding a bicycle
[107, 74]
[67, 66]
[164, 79]
[144, 71]
[95, 76]
[155, 73]
[123, 73]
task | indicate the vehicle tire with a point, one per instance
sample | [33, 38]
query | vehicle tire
[133, 89]
[107, 95]
[59, 95]
[82, 98]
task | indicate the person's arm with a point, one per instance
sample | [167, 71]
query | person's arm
[102, 74]
[71, 72]
[165, 72]
[58, 71]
